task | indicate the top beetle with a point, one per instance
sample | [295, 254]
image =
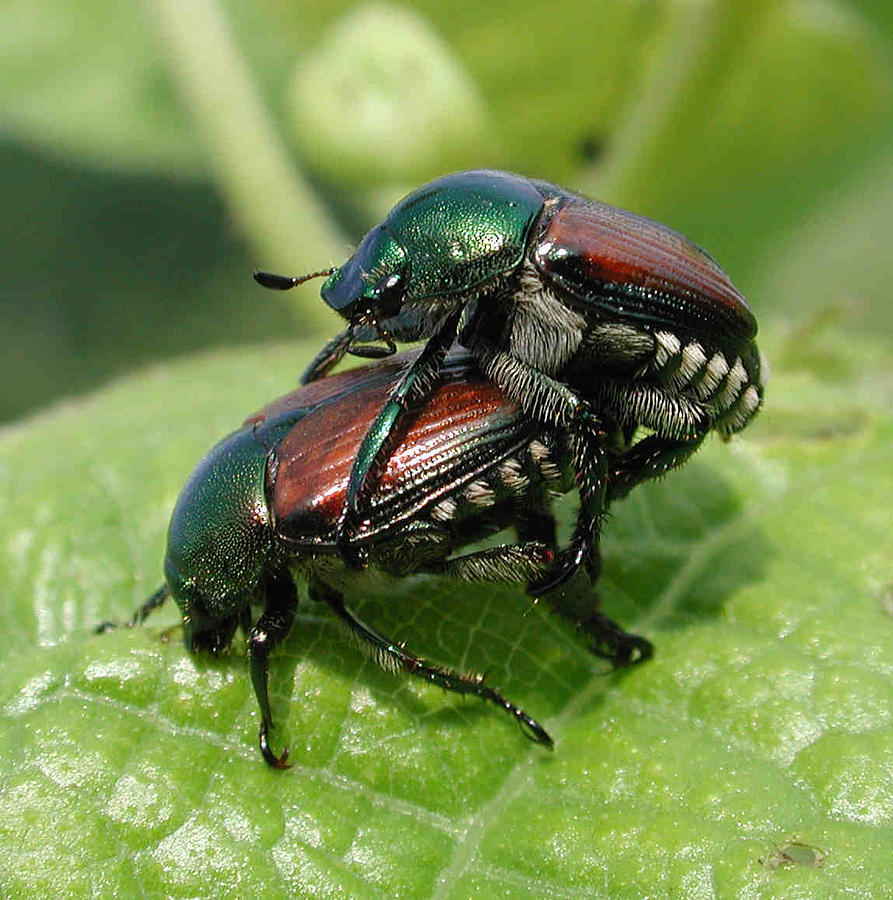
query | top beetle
[589, 317]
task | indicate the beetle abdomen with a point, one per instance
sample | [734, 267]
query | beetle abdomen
[636, 269]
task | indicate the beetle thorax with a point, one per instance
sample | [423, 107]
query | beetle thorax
[543, 331]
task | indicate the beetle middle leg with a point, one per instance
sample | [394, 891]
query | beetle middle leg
[608, 639]
[393, 656]
[268, 632]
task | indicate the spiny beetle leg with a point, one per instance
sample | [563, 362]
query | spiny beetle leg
[327, 358]
[141, 614]
[392, 656]
[609, 640]
[649, 458]
[273, 625]
[415, 384]
[591, 472]
[552, 402]
[506, 564]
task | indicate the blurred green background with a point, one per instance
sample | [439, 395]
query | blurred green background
[153, 154]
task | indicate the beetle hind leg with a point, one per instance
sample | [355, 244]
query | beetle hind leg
[395, 657]
[607, 639]
[650, 458]
[591, 475]
[506, 564]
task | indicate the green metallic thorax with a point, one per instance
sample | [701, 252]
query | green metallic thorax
[220, 535]
[221, 530]
[453, 235]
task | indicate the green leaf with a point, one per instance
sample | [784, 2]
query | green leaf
[763, 572]
[382, 100]
[83, 77]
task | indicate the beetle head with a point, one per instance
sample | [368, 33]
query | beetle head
[369, 289]
[207, 630]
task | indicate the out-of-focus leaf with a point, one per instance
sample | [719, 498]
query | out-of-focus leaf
[381, 100]
[87, 79]
[838, 260]
[740, 152]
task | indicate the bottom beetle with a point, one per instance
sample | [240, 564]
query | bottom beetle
[263, 506]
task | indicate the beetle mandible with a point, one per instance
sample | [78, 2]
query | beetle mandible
[591, 318]
[262, 509]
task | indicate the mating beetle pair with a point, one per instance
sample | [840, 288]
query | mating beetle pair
[589, 317]
[263, 507]
[589, 325]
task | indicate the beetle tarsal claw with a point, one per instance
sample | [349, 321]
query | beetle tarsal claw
[274, 761]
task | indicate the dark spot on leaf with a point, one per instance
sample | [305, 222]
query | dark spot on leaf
[591, 148]
[795, 853]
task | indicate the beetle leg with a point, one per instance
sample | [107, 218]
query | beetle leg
[142, 613]
[393, 656]
[506, 564]
[609, 640]
[416, 383]
[273, 625]
[554, 403]
[330, 355]
[534, 521]
[154, 602]
[649, 458]
[591, 475]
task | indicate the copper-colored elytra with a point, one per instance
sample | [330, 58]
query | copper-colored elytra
[287, 282]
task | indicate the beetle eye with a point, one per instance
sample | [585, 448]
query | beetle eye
[389, 296]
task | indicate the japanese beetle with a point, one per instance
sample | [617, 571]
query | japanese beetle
[262, 508]
[589, 317]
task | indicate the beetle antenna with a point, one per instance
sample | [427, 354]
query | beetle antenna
[286, 282]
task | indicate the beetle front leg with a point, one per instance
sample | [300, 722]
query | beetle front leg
[391, 655]
[268, 632]
[141, 614]
[415, 384]
[329, 357]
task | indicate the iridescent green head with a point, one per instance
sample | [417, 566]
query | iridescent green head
[445, 241]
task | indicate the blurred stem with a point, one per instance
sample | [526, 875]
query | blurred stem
[287, 226]
[702, 42]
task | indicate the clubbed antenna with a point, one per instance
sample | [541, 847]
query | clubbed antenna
[286, 282]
